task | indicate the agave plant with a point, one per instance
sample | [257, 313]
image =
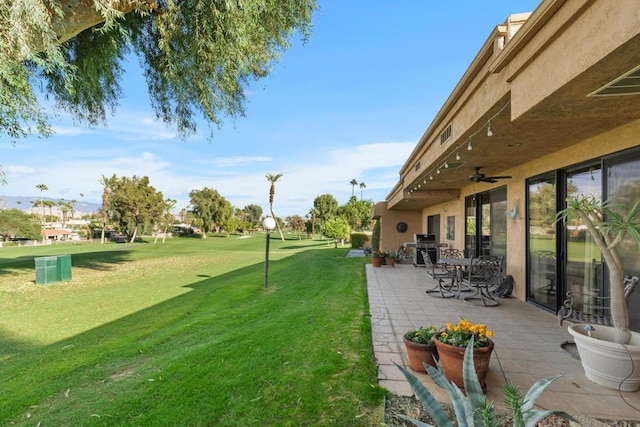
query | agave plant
[474, 409]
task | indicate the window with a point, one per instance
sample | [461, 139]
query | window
[451, 227]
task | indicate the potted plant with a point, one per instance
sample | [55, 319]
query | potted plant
[451, 344]
[421, 348]
[390, 257]
[474, 408]
[605, 351]
[377, 258]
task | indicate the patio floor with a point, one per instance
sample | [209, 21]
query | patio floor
[527, 345]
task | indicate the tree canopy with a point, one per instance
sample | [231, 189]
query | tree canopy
[253, 214]
[209, 209]
[16, 224]
[135, 204]
[357, 213]
[326, 207]
[336, 228]
[198, 56]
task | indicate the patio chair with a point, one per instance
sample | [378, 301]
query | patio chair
[444, 275]
[597, 312]
[451, 253]
[482, 276]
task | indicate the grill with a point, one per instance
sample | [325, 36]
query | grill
[428, 243]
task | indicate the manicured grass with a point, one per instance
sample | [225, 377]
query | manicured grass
[184, 333]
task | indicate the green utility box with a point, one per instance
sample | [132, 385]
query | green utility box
[64, 268]
[51, 269]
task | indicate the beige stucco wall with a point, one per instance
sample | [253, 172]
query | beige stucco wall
[616, 140]
[390, 238]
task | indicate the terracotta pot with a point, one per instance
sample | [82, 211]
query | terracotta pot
[390, 261]
[451, 358]
[377, 261]
[419, 353]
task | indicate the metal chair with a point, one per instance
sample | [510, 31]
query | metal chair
[482, 276]
[451, 253]
[599, 312]
[446, 277]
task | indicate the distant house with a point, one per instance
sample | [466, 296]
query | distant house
[57, 234]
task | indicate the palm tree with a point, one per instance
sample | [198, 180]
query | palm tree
[312, 213]
[50, 204]
[81, 196]
[72, 207]
[272, 178]
[353, 183]
[42, 188]
[106, 192]
[362, 187]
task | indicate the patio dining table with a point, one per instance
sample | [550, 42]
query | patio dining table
[459, 265]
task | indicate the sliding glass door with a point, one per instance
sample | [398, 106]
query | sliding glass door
[542, 243]
[623, 188]
[583, 269]
[486, 220]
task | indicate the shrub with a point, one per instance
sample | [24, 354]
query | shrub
[375, 236]
[358, 240]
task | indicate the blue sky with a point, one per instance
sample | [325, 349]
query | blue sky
[351, 103]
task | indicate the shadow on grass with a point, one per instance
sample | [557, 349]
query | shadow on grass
[220, 313]
[98, 260]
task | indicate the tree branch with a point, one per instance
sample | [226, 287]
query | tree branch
[79, 15]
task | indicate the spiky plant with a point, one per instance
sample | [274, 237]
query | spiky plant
[474, 409]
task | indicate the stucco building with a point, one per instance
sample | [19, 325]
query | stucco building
[550, 105]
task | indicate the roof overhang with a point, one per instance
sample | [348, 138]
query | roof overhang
[534, 93]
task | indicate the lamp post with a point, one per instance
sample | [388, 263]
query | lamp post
[269, 224]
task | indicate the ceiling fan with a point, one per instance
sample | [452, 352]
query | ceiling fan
[480, 177]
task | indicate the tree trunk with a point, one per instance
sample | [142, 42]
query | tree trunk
[82, 14]
[617, 304]
[277, 223]
[135, 232]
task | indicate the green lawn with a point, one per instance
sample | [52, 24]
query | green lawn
[184, 333]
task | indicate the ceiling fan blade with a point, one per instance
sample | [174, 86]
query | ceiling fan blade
[499, 177]
[488, 179]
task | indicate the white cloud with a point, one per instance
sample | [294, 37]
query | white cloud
[15, 171]
[70, 131]
[228, 162]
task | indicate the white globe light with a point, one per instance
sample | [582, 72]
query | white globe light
[269, 223]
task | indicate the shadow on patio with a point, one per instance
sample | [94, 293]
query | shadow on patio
[527, 345]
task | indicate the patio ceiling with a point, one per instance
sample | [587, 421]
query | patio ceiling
[563, 118]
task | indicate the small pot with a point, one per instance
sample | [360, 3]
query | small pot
[420, 353]
[377, 261]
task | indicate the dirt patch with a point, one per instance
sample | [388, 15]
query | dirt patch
[122, 374]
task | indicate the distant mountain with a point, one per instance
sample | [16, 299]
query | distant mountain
[24, 204]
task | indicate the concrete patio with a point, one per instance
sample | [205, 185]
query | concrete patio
[527, 345]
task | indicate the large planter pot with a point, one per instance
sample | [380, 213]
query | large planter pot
[390, 262]
[419, 353]
[451, 359]
[607, 363]
[377, 261]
